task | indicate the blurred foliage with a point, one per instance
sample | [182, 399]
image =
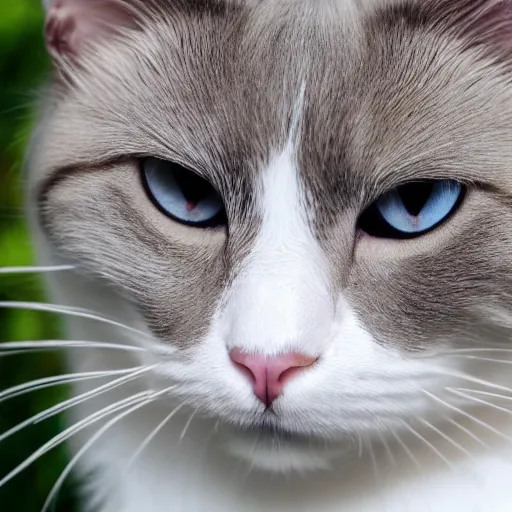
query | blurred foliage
[23, 68]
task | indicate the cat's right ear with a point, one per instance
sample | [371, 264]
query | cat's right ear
[72, 25]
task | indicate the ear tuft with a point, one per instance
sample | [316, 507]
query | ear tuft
[72, 25]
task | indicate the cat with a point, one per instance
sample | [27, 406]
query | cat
[280, 232]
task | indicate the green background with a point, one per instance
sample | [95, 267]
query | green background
[24, 66]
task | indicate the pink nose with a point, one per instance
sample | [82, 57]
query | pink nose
[269, 375]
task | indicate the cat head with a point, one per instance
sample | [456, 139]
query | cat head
[308, 203]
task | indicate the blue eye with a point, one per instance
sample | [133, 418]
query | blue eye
[413, 209]
[182, 194]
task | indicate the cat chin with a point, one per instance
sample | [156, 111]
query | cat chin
[277, 455]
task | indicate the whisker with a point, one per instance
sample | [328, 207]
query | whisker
[467, 415]
[376, 472]
[427, 443]
[387, 448]
[360, 445]
[406, 449]
[478, 358]
[56, 380]
[150, 438]
[479, 401]
[35, 270]
[470, 378]
[445, 437]
[187, 425]
[70, 431]
[42, 345]
[152, 397]
[467, 431]
[466, 351]
[67, 404]
[66, 310]
[485, 393]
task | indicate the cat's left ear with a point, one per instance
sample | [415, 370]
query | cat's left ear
[480, 22]
[72, 25]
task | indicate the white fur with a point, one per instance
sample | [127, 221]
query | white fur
[284, 281]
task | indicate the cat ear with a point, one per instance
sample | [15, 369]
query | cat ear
[71, 25]
[487, 22]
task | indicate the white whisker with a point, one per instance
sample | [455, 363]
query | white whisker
[427, 443]
[485, 393]
[467, 415]
[387, 448]
[470, 378]
[478, 358]
[22, 346]
[34, 270]
[70, 431]
[187, 425]
[56, 488]
[467, 431]
[466, 351]
[66, 310]
[406, 449]
[445, 437]
[67, 404]
[149, 438]
[376, 472]
[56, 380]
[479, 400]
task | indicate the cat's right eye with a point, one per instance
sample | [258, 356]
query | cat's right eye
[182, 194]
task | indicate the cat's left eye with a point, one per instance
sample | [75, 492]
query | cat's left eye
[182, 194]
[412, 209]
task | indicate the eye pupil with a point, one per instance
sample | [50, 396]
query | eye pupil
[415, 196]
[193, 187]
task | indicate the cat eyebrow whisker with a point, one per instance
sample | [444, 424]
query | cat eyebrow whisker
[57, 380]
[67, 404]
[67, 310]
[35, 270]
[141, 400]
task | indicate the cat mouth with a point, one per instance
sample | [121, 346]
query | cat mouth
[268, 433]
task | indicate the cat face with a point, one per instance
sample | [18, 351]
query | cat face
[308, 205]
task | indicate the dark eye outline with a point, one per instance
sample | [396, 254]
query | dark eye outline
[218, 221]
[372, 222]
